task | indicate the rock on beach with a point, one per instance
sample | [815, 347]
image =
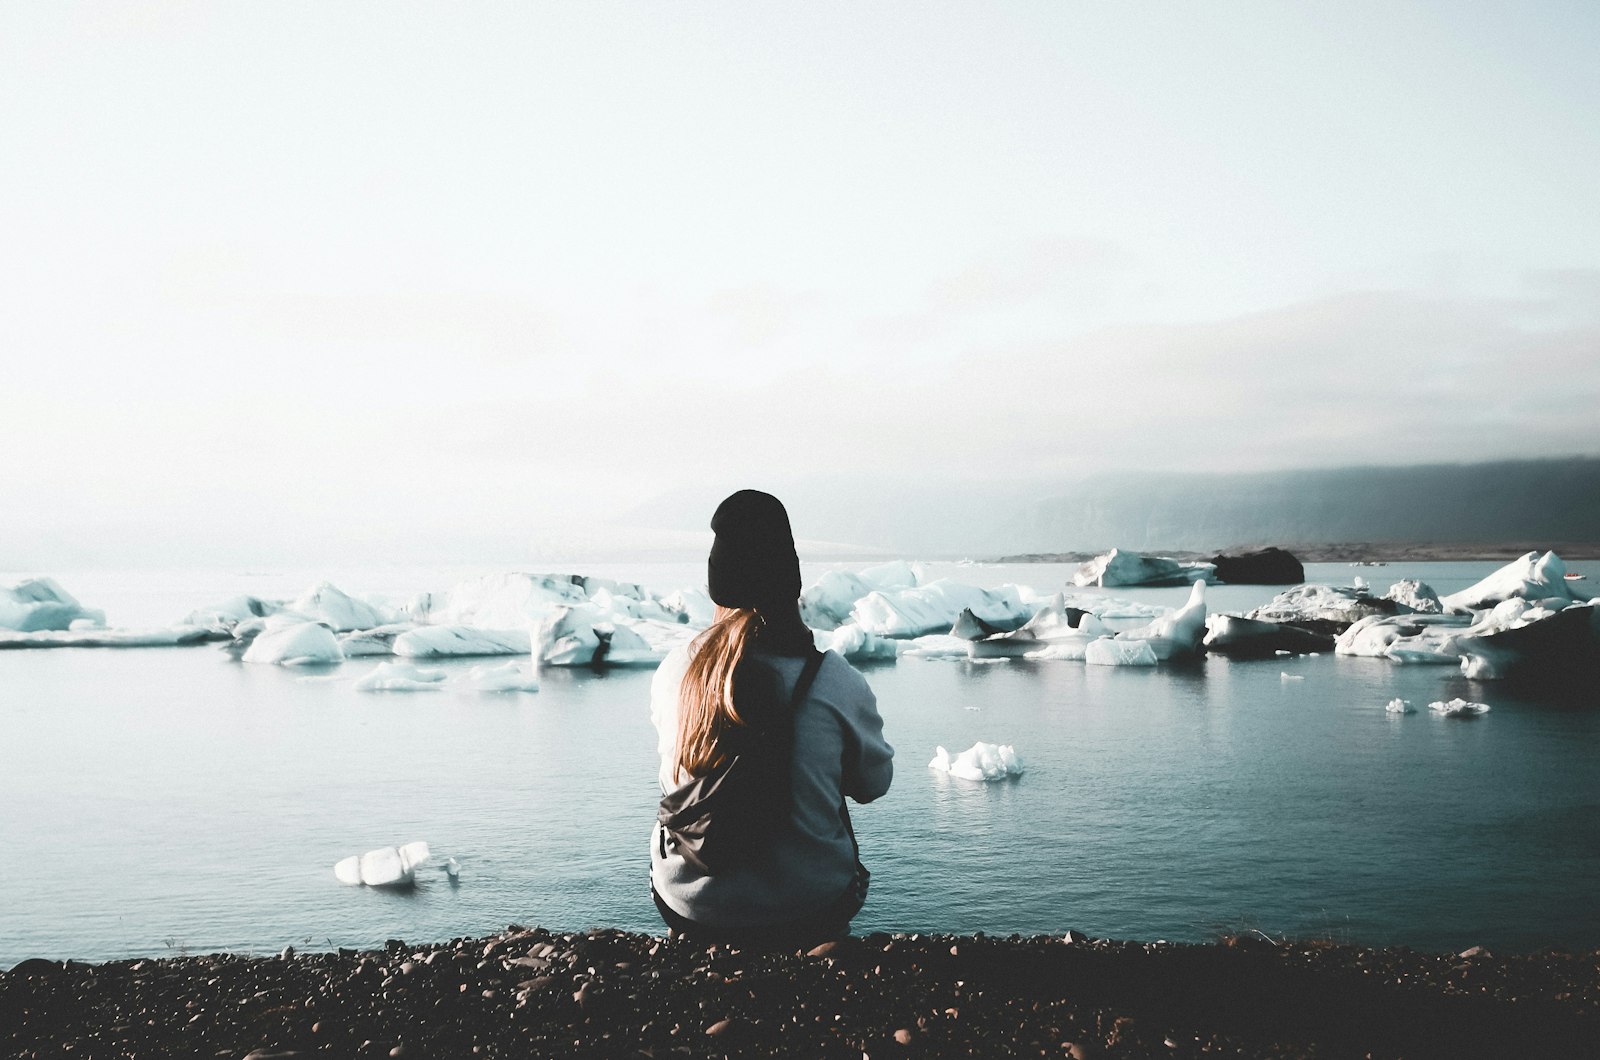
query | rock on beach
[606, 993]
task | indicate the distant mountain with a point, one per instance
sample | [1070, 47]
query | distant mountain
[1550, 501]
[1543, 500]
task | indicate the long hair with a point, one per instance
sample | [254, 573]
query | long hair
[705, 699]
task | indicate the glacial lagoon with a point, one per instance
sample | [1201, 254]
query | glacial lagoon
[169, 800]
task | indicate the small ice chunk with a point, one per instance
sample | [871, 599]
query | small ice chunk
[348, 870]
[1109, 652]
[400, 677]
[452, 868]
[1399, 706]
[981, 761]
[507, 677]
[1290, 677]
[1458, 708]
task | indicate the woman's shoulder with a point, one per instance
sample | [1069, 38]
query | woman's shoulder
[837, 678]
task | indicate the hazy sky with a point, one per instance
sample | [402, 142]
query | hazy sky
[311, 272]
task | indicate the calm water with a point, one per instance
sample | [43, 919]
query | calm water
[167, 799]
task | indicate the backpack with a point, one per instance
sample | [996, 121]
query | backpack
[714, 819]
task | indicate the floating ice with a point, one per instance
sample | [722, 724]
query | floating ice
[856, 644]
[338, 610]
[1285, 676]
[432, 642]
[384, 867]
[36, 604]
[826, 603]
[1399, 706]
[1130, 568]
[1177, 633]
[1056, 631]
[452, 868]
[937, 646]
[934, 608]
[1418, 596]
[1529, 577]
[1109, 652]
[295, 644]
[95, 637]
[692, 607]
[1411, 638]
[501, 601]
[583, 635]
[400, 677]
[1324, 608]
[377, 641]
[981, 761]
[1458, 708]
[223, 617]
[507, 677]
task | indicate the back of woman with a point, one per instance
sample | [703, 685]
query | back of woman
[797, 878]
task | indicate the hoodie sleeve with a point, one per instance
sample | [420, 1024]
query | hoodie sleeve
[868, 758]
[664, 688]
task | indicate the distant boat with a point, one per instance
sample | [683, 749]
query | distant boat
[1571, 577]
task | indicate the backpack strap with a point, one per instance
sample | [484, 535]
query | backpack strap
[808, 674]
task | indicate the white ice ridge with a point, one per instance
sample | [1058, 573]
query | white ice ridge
[432, 642]
[826, 603]
[338, 610]
[507, 677]
[857, 645]
[79, 637]
[400, 677]
[1178, 632]
[1458, 708]
[1530, 577]
[1399, 706]
[36, 604]
[981, 761]
[384, 867]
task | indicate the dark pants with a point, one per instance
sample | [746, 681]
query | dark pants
[830, 924]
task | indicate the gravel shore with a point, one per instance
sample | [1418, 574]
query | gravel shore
[610, 994]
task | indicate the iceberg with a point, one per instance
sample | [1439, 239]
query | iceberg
[507, 677]
[691, 607]
[1324, 608]
[433, 642]
[376, 641]
[400, 677]
[224, 617]
[502, 601]
[826, 603]
[1251, 638]
[937, 646]
[1458, 708]
[36, 604]
[1418, 596]
[339, 611]
[1117, 567]
[934, 608]
[1177, 633]
[1516, 640]
[1109, 652]
[295, 644]
[1529, 577]
[856, 644]
[384, 867]
[583, 635]
[981, 761]
[95, 637]
[1399, 706]
[1411, 638]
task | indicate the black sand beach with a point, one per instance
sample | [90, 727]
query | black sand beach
[610, 994]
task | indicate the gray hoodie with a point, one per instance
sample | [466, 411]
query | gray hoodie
[838, 750]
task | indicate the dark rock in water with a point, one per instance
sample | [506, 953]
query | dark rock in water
[1252, 638]
[1268, 566]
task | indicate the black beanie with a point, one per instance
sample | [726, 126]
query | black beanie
[753, 561]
